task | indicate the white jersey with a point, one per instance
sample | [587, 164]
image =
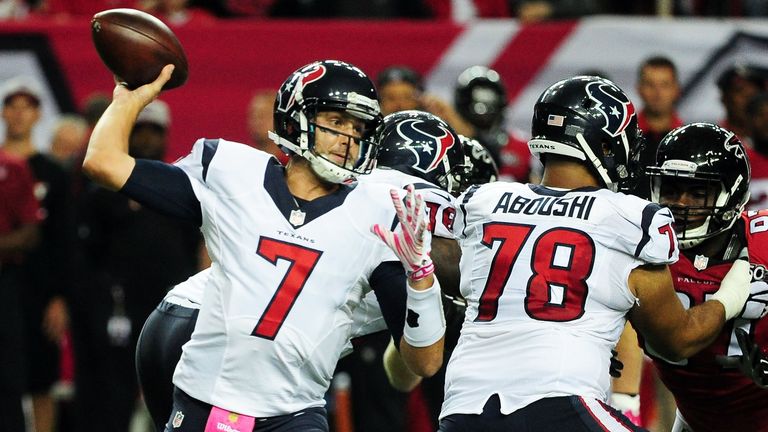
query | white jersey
[190, 292]
[439, 202]
[545, 273]
[278, 305]
[366, 318]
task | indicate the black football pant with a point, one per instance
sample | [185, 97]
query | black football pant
[193, 416]
[566, 413]
[12, 369]
[158, 350]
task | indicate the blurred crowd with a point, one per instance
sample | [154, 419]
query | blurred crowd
[180, 12]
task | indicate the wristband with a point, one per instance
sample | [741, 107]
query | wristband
[424, 319]
[421, 272]
[628, 405]
[734, 288]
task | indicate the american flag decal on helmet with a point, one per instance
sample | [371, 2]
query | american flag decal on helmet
[555, 120]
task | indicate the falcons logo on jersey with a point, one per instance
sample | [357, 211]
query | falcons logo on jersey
[296, 85]
[617, 110]
[431, 145]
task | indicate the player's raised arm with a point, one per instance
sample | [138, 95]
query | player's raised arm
[671, 330]
[422, 342]
[106, 160]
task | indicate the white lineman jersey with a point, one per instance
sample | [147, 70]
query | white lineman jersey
[544, 273]
[439, 202]
[277, 309]
[190, 292]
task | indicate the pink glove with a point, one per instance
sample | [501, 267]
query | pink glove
[411, 243]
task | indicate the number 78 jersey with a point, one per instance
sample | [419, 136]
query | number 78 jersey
[544, 273]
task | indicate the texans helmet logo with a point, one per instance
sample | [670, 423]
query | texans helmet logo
[613, 104]
[296, 85]
[429, 146]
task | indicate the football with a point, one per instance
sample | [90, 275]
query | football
[135, 46]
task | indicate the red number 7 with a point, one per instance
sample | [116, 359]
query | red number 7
[667, 229]
[303, 260]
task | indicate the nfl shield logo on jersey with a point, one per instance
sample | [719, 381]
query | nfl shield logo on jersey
[700, 262]
[177, 419]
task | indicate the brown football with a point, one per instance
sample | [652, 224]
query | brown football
[135, 46]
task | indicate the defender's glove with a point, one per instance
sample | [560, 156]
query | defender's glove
[753, 362]
[411, 243]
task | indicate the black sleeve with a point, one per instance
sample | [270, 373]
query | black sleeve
[388, 283]
[164, 188]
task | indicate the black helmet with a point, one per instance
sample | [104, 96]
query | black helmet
[421, 144]
[399, 73]
[590, 119]
[480, 97]
[328, 85]
[483, 169]
[706, 152]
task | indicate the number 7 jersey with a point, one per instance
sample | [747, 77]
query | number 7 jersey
[544, 273]
[280, 299]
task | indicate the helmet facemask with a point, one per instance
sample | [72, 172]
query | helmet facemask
[328, 86]
[481, 167]
[709, 164]
[453, 179]
[717, 215]
[358, 157]
[359, 154]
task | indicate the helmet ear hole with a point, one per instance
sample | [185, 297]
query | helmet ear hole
[607, 151]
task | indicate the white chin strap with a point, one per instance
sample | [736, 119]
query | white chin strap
[694, 236]
[596, 163]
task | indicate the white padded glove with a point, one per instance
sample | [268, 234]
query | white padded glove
[411, 243]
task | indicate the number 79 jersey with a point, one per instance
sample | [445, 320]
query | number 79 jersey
[544, 273]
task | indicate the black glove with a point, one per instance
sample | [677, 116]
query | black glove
[616, 366]
[753, 363]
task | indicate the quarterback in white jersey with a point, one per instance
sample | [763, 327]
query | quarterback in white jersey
[551, 271]
[294, 250]
[262, 289]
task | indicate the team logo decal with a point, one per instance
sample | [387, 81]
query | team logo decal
[430, 144]
[732, 146]
[296, 85]
[615, 107]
